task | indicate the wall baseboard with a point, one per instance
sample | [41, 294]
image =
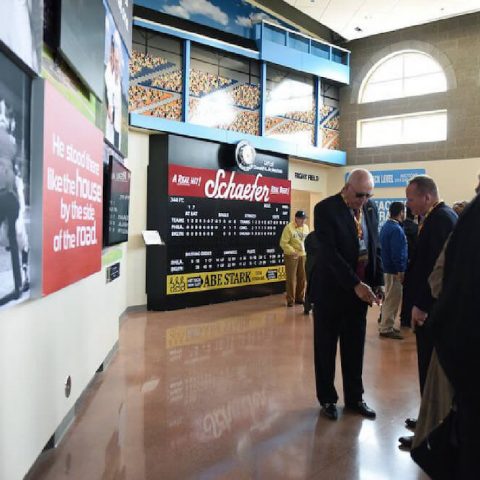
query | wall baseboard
[131, 309]
[69, 418]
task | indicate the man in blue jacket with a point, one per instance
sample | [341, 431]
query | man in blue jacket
[394, 258]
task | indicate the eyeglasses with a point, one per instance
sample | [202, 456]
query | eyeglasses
[362, 194]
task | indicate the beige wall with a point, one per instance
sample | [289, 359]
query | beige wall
[138, 149]
[69, 332]
[306, 192]
[456, 179]
[42, 342]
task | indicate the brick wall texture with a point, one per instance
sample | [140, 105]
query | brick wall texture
[455, 44]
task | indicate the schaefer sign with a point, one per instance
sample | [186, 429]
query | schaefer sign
[224, 185]
[200, 282]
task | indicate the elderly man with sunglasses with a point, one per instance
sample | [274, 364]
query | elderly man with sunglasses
[348, 277]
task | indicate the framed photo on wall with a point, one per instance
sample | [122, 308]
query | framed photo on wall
[116, 77]
[15, 91]
[21, 30]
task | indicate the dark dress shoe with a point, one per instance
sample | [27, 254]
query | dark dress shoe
[406, 442]
[329, 410]
[362, 408]
[411, 423]
[299, 302]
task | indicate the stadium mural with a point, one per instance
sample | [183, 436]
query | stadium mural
[235, 16]
[156, 76]
[224, 92]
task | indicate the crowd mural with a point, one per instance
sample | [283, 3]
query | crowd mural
[143, 63]
[156, 90]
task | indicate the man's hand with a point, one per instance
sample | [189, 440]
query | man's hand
[380, 295]
[365, 293]
[295, 255]
[401, 276]
[418, 317]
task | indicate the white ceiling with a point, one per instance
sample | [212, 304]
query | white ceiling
[346, 17]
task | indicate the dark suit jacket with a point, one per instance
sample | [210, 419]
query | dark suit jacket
[334, 277]
[436, 229]
[455, 317]
[311, 247]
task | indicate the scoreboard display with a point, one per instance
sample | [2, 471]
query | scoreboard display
[221, 225]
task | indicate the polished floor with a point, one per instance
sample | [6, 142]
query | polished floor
[227, 392]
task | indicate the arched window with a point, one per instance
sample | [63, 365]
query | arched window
[403, 74]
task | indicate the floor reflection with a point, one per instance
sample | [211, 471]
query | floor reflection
[227, 392]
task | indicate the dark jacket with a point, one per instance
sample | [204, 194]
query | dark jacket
[311, 247]
[394, 247]
[433, 235]
[334, 277]
[456, 331]
[411, 231]
[456, 315]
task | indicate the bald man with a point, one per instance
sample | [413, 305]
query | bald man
[348, 277]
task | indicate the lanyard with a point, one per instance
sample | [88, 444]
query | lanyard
[357, 217]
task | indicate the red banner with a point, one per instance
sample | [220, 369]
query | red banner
[221, 184]
[72, 194]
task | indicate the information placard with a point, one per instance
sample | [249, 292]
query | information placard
[72, 194]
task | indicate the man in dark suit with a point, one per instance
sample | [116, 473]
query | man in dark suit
[438, 222]
[311, 248]
[456, 332]
[347, 277]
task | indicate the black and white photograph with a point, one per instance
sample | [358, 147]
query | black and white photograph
[15, 87]
[21, 30]
[116, 86]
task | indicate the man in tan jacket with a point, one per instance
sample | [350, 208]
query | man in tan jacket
[292, 243]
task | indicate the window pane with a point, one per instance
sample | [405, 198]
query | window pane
[426, 128]
[403, 75]
[375, 92]
[274, 34]
[391, 69]
[419, 64]
[298, 42]
[380, 132]
[435, 82]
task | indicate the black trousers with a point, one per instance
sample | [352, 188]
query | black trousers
[424, 338]
[9, 209]
[344, 321]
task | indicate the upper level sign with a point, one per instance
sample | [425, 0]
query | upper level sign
[393, 178]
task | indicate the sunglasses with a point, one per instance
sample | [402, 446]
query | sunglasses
[361, 194]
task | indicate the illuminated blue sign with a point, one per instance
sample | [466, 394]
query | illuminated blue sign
[394, 178]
